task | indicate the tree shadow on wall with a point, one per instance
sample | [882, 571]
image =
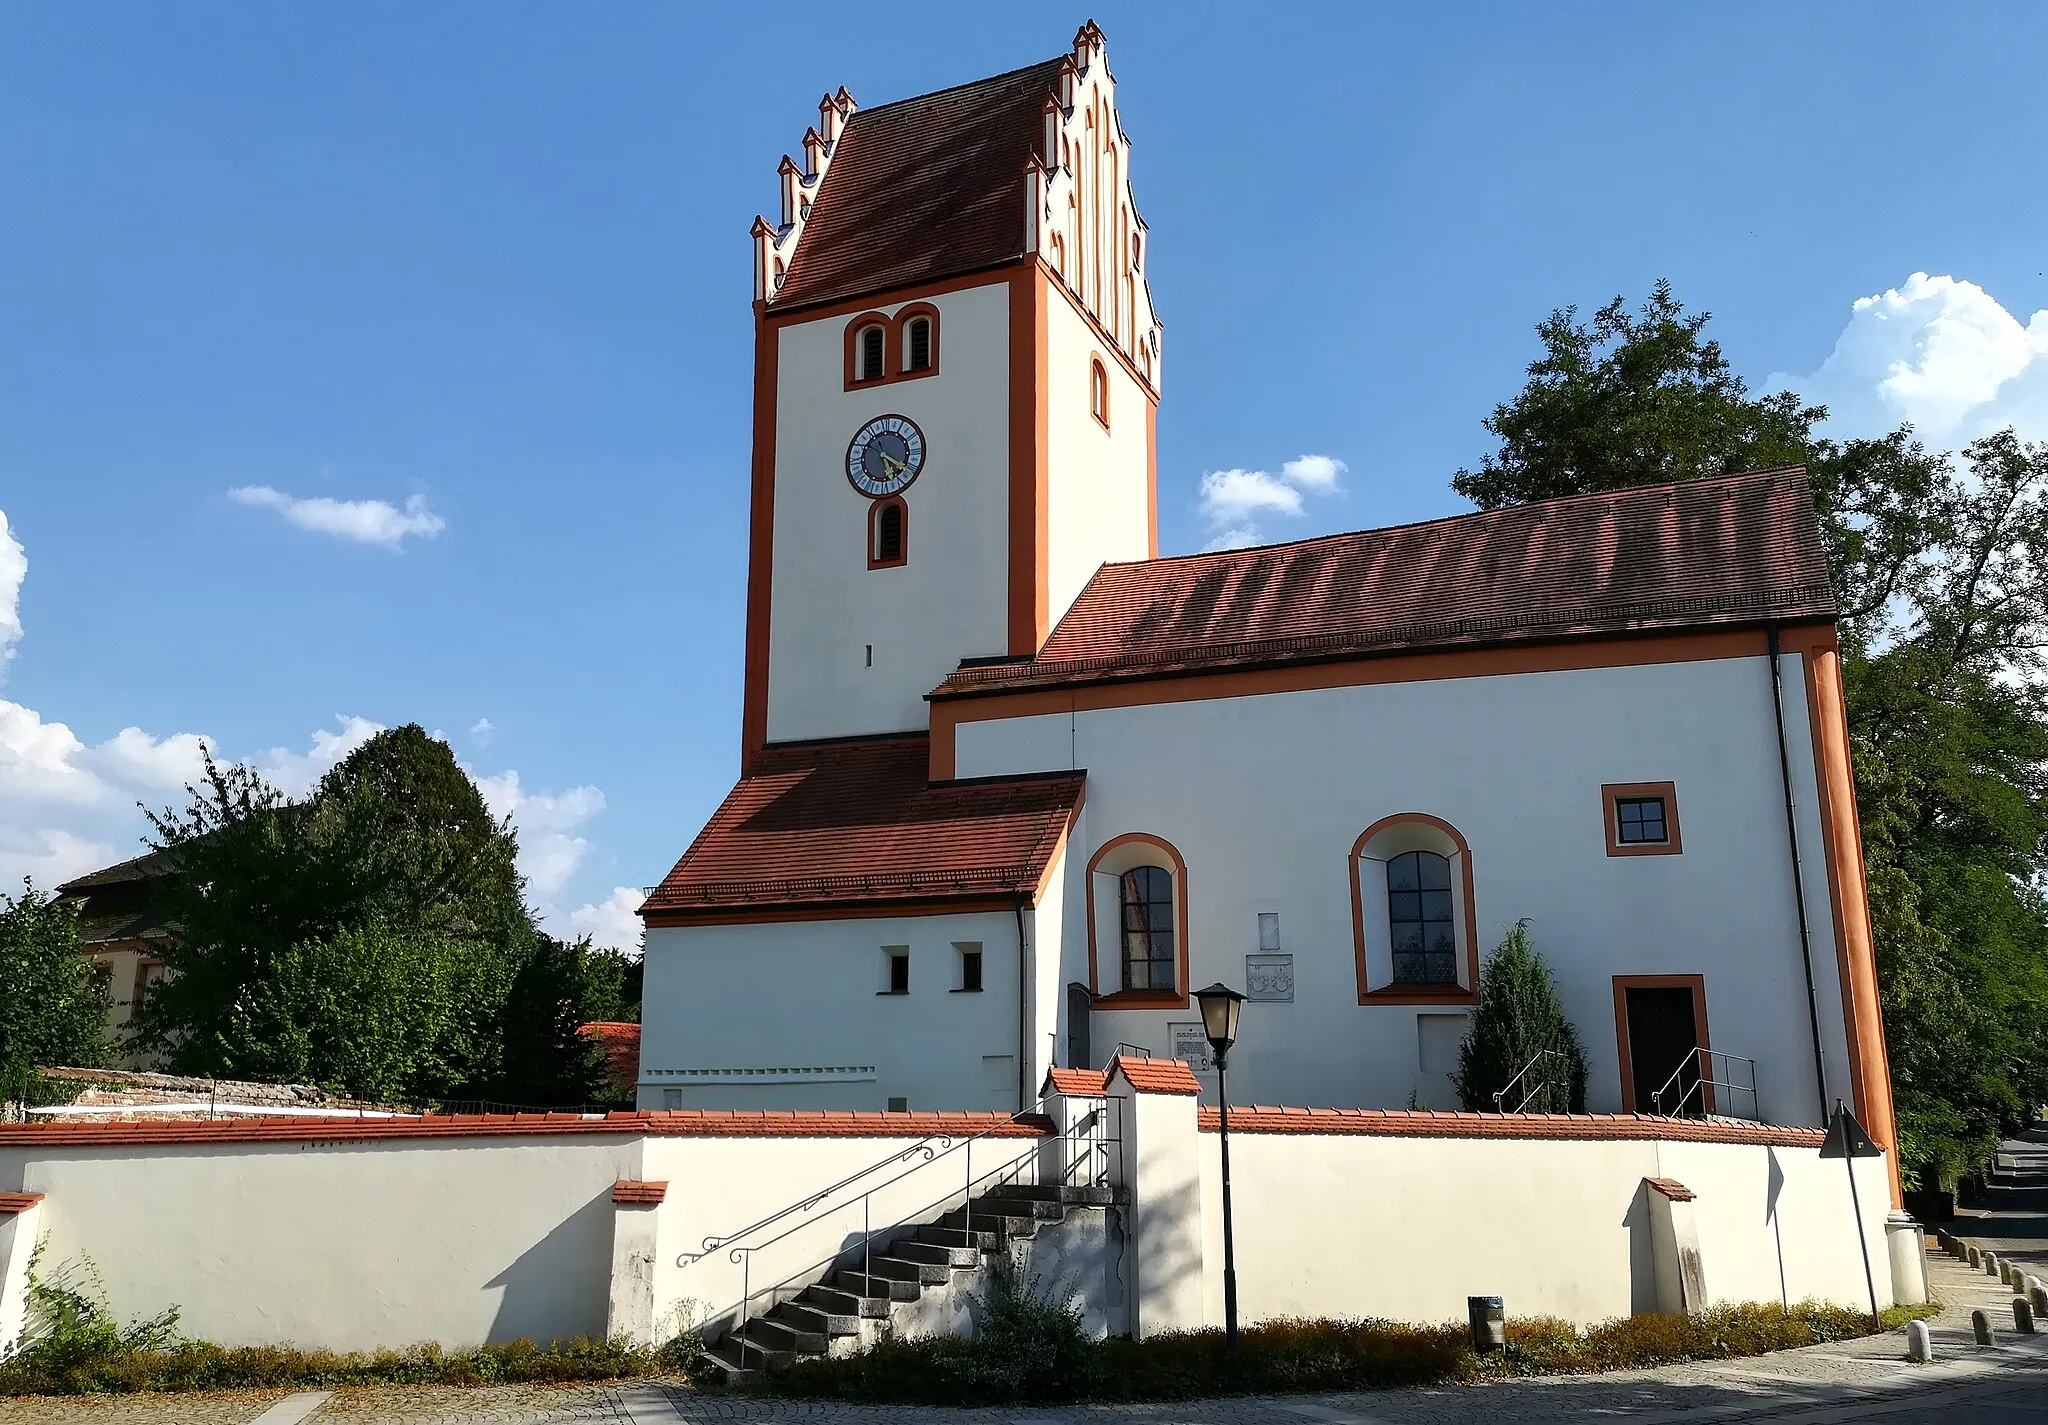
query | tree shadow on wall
[561, 1285]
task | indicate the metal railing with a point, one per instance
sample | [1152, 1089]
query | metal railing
[1703, 1070]
[1078, 1155]
[1538, 1085]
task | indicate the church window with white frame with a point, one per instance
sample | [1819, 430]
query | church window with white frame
[1149, 954]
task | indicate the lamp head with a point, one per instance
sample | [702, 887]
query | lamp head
[1219, 1005]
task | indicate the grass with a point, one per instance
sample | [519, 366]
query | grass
[1285, 1357]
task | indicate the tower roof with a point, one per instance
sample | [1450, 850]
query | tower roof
[924, 189]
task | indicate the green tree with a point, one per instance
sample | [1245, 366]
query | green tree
[1518, 1017]
[372, 938]
[53, 1006]
[1940, 568]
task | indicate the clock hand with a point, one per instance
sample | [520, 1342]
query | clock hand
[894, 467]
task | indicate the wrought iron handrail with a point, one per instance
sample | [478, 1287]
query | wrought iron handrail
[1703, 1061]
[1537, 1087]
[1083, 1132]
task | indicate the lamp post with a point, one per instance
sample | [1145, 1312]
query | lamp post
[1220, 1005]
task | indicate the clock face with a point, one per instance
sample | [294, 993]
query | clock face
[885, 456]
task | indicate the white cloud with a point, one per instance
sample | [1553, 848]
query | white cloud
[612, 923]
[13, 570]
[364, 521]
[295, 773]
[549, 852]
[1939, 352]
[480, 732]
[1233, 501]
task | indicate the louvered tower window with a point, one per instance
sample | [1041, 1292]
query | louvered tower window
[920, 345]
[872, 342]
[889, 534]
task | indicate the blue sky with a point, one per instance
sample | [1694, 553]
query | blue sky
[488, 266]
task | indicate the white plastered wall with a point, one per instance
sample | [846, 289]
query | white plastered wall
[1097, 480]
[949, 599]
[788, 1015]
[1265, 795]
[1407, 1228]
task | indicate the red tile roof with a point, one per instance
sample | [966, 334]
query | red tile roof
[1671, 1188]
[922, 189]
[824, 824]
[1156, 1075]
[638, 1194]
[620, 1045]
[1727, 552]
[1424, 1123]
[1085, 1083]
[669, 1123]
[12, 1203]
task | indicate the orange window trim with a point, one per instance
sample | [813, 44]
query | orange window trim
[1613, 792]
[902, 555]
[899, 336]
[1870, 1080]
[1098, 391]
[1622, 985]
[865, 322]
[1466, 993]
[948, 711]
[1141, 999]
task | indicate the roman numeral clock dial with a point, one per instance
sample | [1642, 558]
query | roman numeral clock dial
[885, 456]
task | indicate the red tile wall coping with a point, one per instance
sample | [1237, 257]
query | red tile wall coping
[1671, 1188]
[1155, 1075]
[14, 1202]
[1077, 1081]
[1426, 1123]
[638, 1194]
[659, 1123]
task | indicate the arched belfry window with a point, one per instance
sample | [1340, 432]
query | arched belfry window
[1413, 912]
[888, 533]
[1098, 391]
[1421, 935]
[873, 346]
[918, 344]
[884, 348]
[1146, 902]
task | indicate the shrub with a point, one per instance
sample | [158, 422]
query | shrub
[1519, 1016]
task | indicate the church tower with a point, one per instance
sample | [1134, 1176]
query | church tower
[956, 384]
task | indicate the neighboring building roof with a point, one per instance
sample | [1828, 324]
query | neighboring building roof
[150, 866]
[922, 189]
[1733, 551]
[620, 1044]
[820, 824]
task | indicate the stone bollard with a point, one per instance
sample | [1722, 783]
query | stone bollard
[1980, 1326]
[1919, 1344]
[2037, 1296]
[2022, 1316]
[1976, 1258]
[1991, 1264]
[2005, 1273]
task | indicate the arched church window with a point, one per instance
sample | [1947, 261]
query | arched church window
[920, 354]
[1419, 920]
[888, 533]
[1098, 391]
[1149, 954]
[873, 346]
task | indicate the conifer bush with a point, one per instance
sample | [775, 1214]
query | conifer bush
[1519, 1016]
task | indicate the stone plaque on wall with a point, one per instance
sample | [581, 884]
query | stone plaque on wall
[1269, 977]
[1191, 1044]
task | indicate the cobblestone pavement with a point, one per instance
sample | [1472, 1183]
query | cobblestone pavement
[1866, 1379]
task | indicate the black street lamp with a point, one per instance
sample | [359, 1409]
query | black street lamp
[1220, 1005]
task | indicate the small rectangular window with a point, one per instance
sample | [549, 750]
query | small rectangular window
[671, 1098]
[898, 957]
[970, 968]
[1638, 820]
[1642, 818]
[899, 1105]
[1269, 930]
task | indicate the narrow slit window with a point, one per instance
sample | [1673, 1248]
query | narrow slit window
[873, 346]
[888, 533]
[970, 969]
[920, 344]
[898, 957]
[1098, 392]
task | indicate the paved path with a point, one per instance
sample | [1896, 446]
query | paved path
[1861, 1380]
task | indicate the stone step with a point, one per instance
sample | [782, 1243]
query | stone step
[887, 1288]
[844, 1303]
[726, 1357]
[956, 1237]
[1079, 1194]
[815, 1320]
[780, 1337]
[1010, 1219]
[748, 1354]
[935, 1255]
[898, 1269]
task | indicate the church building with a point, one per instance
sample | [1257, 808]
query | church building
[1011, 783]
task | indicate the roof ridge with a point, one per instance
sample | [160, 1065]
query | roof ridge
[1552, 503]
[859, 113]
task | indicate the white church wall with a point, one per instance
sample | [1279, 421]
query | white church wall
[1264, 796]
[792, 1015]
[1045, 924]
[949, 599]
[1097, 481]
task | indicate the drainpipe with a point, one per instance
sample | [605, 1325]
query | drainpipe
[1023, 1035]
[1820, 1067]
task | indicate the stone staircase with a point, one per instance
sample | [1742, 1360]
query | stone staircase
[850, 1308]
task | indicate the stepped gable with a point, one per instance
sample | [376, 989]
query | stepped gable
[858, 823]
[1734, 551]
[918, 190]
